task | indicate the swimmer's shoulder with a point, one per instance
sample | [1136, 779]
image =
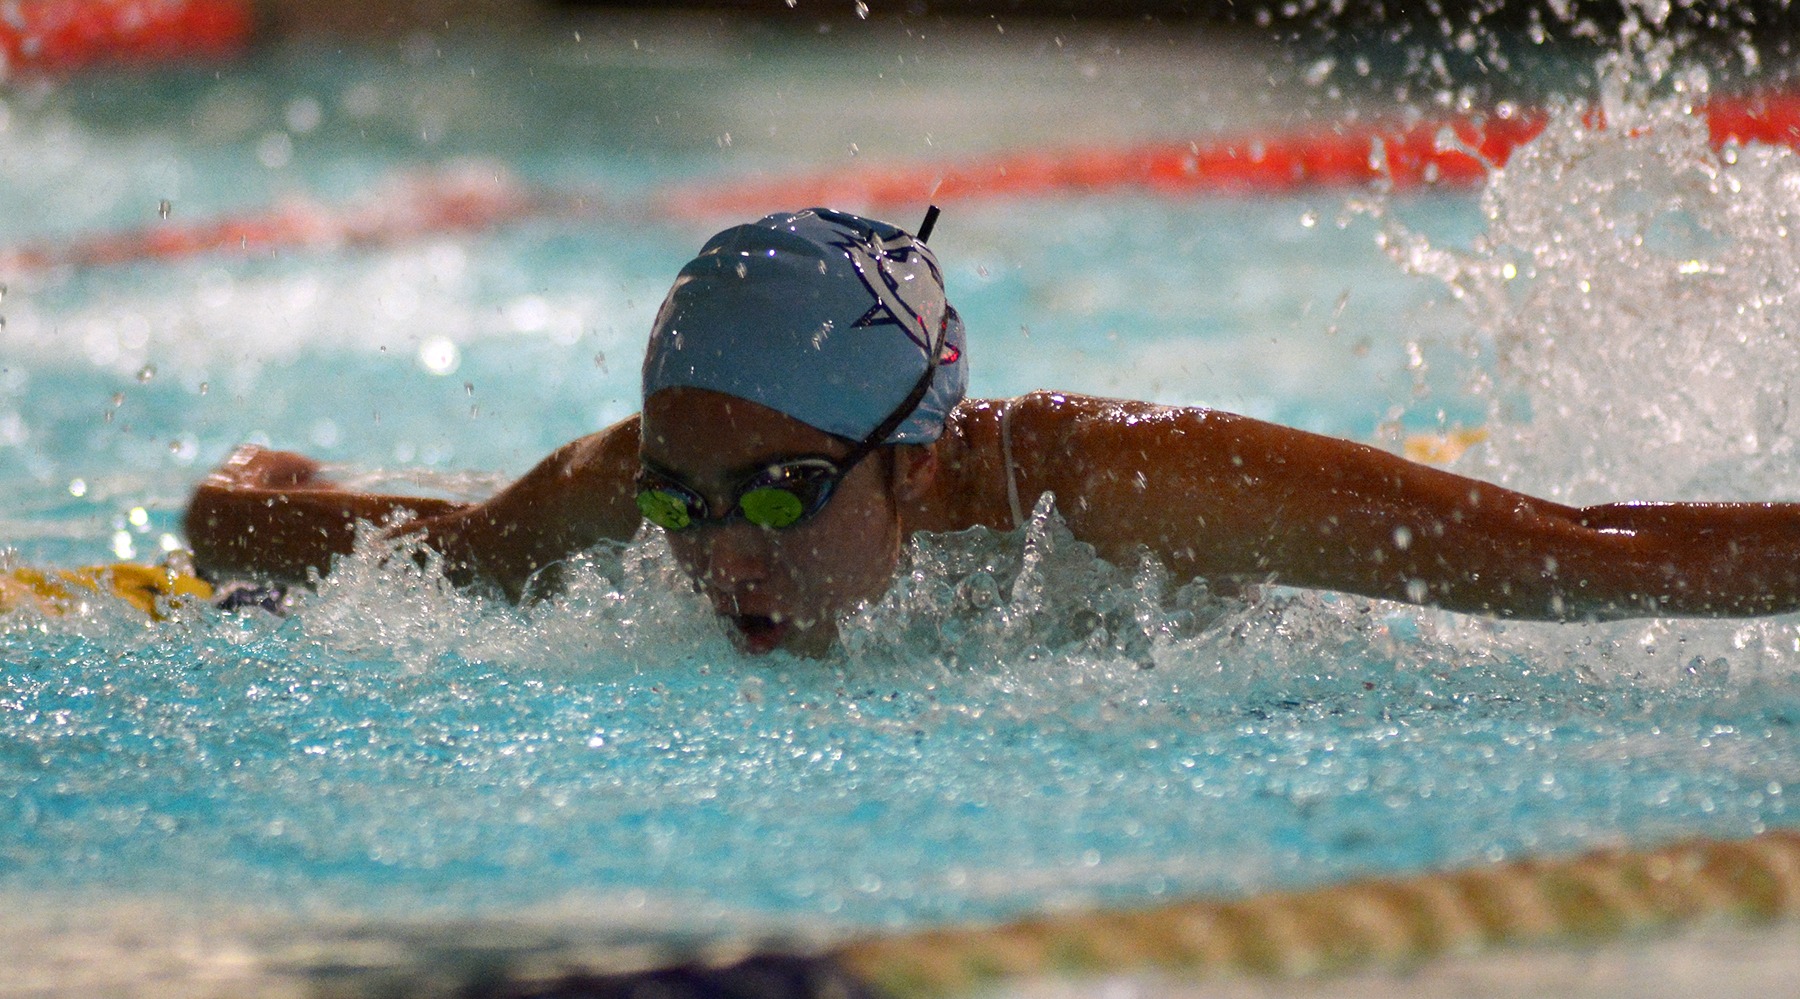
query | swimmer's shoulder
[994, 448]
[1036, 420]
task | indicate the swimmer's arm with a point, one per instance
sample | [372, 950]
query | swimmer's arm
[1231, 498]
[581, 495]
[269, 515]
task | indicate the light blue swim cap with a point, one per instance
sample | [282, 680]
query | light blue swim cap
[821, 315]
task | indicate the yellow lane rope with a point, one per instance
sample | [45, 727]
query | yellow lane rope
[151, 589]
[1444, 448]
[1600, 895]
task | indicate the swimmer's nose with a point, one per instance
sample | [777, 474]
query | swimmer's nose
[736, 554]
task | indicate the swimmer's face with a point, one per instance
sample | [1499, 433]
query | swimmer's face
[777, 588]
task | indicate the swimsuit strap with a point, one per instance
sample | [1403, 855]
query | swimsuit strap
[1012, 485]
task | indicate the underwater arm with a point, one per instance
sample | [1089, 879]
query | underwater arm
[1231, 498]
[268, 515]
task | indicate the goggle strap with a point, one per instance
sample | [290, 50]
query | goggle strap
[902, 411]
[898, 416]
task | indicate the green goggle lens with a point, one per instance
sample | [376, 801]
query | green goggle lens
[780, 495]
[664, 509]
[771, 507]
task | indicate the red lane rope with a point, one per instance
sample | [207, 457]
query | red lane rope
[469, 198]
[459, 198]
[63, 35]
[1447, 154]
[1259, 165]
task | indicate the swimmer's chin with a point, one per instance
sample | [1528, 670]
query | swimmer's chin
[760, 634]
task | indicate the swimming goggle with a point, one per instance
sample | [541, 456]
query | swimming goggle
[784, 492]
[779, 494]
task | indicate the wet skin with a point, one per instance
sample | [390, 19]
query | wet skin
[1210, 494]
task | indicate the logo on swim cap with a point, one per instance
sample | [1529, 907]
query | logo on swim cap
[891, 305]
[790, 312]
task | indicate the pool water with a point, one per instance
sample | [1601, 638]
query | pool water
[1017, 726]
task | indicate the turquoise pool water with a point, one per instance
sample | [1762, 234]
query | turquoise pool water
[1017, 726]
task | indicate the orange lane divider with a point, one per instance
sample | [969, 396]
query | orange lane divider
[62, 35]
[1261, 164]
[474, 197]
[1441, 153]
[460, 197]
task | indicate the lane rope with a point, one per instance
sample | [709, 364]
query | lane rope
[152, 590]
[1447, 154]
[60, 36]
[464, 197]
[1598, 896]
[460, 197]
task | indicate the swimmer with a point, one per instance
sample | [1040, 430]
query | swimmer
[803, 415]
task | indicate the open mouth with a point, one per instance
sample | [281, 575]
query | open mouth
[760, 632]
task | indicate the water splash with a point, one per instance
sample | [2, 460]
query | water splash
[989, 740]
[1634, 291]
[1632, 313]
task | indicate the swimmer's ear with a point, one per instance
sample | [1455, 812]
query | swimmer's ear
[915, 469]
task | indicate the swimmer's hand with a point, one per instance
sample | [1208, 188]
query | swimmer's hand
[271, 517]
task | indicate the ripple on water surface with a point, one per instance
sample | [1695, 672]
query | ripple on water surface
[1018, 724]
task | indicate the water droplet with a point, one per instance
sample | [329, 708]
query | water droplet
[146, 373]
[304, 114]
[600, 361]
[205, 387]
[162, 209]
[862, 10]
[1706, 670]
[439, 356]
[468, 388]
[275, 150]
[118, 399]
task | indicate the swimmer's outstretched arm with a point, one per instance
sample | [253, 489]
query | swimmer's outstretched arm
[1232, 498]
[269, 515]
